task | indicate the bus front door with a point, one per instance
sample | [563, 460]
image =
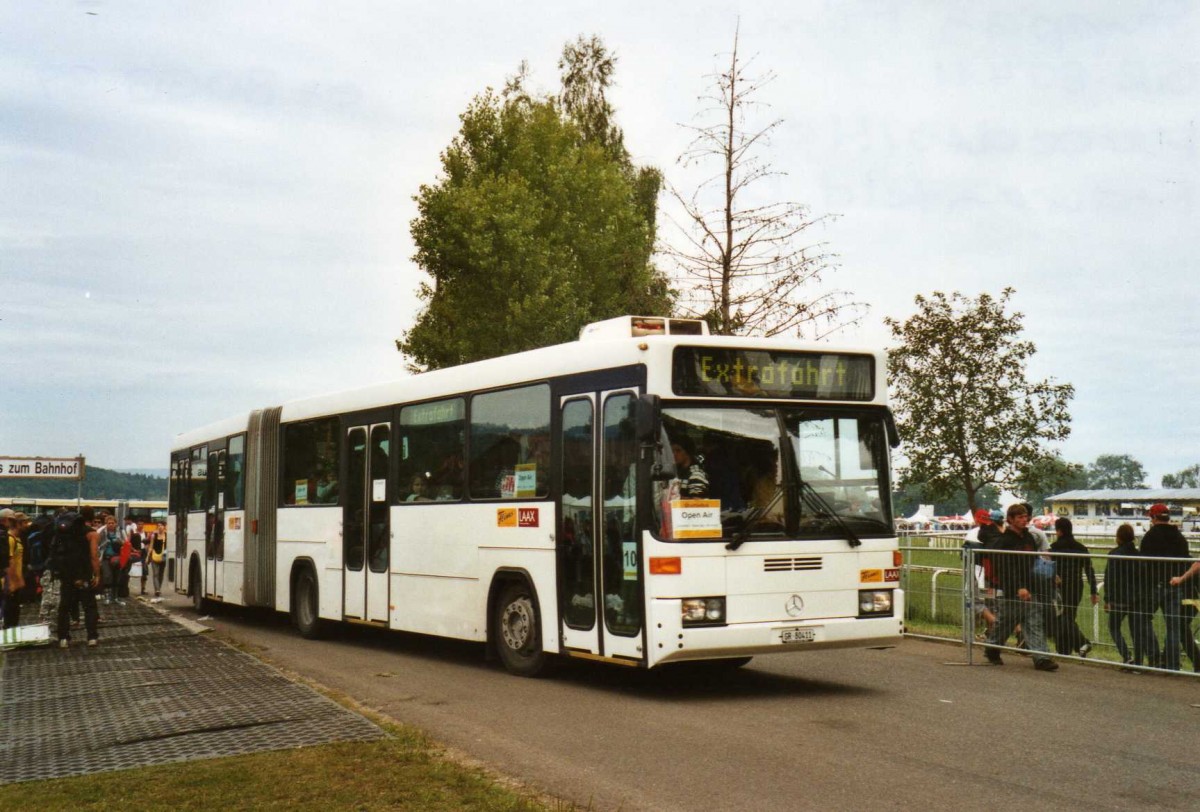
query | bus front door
[366, 533]
[179, 504]
[600, 574]
[574, 545]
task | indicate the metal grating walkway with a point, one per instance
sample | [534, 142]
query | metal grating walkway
[152, 693]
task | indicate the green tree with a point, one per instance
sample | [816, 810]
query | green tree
[538, 225]
[1048, 476]
[1187, 478]
[1116, 472]
[967, 414]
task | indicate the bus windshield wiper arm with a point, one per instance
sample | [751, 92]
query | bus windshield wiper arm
[815, 497]
[752, 516]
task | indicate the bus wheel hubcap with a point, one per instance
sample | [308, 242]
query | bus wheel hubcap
[517, 623]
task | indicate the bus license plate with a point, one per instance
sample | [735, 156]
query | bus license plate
[804, 634]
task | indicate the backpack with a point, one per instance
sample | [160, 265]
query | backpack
[70, 558]
[38, 544]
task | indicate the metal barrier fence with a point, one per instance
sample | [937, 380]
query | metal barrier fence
[1136, 623]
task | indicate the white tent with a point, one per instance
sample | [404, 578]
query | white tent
[924, 514]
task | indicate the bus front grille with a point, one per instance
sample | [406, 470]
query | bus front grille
[792, 564]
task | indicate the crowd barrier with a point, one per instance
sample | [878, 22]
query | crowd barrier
[947, 591]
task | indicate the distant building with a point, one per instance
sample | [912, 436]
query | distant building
[1127, 504]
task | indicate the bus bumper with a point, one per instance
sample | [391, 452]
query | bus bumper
[774, 637]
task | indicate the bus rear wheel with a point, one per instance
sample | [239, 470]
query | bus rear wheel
[519, 630]
[306, 613]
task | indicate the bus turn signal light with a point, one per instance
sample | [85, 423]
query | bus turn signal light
[666, 566]
[897, 558]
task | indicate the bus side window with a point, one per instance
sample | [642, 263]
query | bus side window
[310, 462]
[510, 443]
[431, 451]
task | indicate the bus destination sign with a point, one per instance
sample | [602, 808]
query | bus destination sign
[746, 373]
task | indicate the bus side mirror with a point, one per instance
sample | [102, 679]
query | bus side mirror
[648, 419]
[893, 433]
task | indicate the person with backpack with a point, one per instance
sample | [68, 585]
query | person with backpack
[76, 563]
[14, 572]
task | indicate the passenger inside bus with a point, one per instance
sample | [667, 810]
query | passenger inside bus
[418, 488]
[693, 479]
[327, 487]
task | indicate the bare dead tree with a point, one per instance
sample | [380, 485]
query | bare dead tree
[749, 268]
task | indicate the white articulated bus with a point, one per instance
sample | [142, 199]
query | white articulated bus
[647, 494]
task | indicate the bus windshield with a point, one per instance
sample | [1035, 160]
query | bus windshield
[790, 472]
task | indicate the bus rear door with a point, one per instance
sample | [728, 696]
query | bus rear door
[366, 531]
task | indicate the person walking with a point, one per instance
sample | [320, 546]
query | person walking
[14, 571]
[980, 596]
[1164, 540]
[1121, 598]
[1069, 570]
[157, 561]
[109, 540]
[1015, 597]
[1190, 585]
[77, 566]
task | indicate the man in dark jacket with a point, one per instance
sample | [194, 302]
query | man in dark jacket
[1013, 561]
[1164, 540]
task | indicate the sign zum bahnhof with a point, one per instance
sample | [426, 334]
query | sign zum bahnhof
[42, 467]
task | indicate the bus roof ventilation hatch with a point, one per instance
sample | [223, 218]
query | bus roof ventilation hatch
[641, 326]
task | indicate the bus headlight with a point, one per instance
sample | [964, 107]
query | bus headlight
[874, 602]
[703, 611]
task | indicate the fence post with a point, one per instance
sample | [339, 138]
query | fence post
[933, 593]
[968, 619]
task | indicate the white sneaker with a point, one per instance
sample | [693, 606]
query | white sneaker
[92, 643]
[64, 643]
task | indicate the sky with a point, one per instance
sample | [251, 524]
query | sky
[205, 206]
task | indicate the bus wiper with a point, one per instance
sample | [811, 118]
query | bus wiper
[752, 516]
[814, 496]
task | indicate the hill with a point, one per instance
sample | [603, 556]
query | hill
[98, 483]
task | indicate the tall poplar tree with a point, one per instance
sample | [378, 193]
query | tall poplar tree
[538, 225]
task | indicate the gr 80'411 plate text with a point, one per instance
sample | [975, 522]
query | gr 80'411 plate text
[804, 634]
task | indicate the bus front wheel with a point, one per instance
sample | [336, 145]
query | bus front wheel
[306, 613]
[519, 630]
[196, 587]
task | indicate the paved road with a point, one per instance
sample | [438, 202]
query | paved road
[892, 728]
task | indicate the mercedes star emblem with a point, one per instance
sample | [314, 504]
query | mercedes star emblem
[794, 606]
